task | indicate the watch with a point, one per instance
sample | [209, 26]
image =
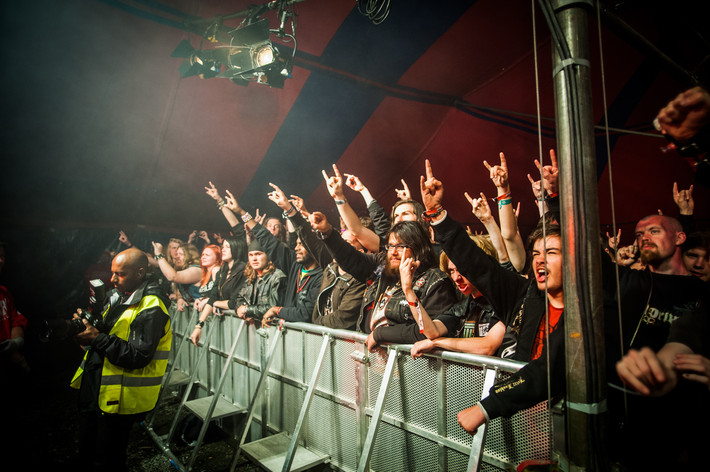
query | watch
[200, 323]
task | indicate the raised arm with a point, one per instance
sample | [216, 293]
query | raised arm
[191, 275]
[367, 237]
[229, 215]
[404, 193]
[480, 208]
[501, 287]
[380, 218]
[506, 214]
[360, 265]
[686, 115]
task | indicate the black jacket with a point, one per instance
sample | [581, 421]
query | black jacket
[262, 294]
[227, 288]
[340, 296]
[433, 287]
[519, 304]
[300, 296]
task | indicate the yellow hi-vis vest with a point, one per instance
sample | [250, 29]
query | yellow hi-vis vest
[131, 391]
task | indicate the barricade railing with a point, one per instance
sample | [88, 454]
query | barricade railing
[413, 427]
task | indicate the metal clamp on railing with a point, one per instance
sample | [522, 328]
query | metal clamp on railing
[360, 356]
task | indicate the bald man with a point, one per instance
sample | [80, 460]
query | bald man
[651, 301]
[120, 377]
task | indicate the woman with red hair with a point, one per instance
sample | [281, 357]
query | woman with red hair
[210, 262]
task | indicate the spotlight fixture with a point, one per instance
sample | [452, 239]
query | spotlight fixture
[203, 63]
[244, 54]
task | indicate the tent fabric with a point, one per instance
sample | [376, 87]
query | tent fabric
[101, 132]
[104, 131]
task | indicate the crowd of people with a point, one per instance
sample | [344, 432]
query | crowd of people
[414, 275]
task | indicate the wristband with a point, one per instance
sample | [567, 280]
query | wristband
[503, 197]
[429, 215]
[340, 202]
[324, 235]
[246, 217]
[552, 195]
[200, 324]
[158, 257]
[416, 305]
[286, 213]
[507, 201]
[221, 203]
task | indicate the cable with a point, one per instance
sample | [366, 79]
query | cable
[376, 10]
[611, 195]
[550, 424]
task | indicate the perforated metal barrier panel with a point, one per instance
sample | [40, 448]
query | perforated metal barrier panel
[418, 429]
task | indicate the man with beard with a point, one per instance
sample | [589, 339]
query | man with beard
[340, 295]
[651, 301]
[302, 270]
[385, 313]
[653, 298]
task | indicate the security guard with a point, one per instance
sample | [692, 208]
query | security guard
[119, 379]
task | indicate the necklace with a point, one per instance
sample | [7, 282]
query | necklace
[300, 286]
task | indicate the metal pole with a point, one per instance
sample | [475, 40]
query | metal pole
[584, 321]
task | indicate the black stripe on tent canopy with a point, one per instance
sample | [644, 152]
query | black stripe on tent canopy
[623, 107]
[146, 15]
[330, 111]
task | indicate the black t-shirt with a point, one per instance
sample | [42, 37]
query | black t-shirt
[481, 318]
[694, 331]
[672, 297]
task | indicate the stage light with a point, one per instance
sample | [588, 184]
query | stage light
[244, 54]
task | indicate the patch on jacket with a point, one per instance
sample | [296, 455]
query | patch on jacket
[419, 283]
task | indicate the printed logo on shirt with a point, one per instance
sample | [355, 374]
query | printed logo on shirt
[654, 316]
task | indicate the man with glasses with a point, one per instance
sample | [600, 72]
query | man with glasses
[385, 313]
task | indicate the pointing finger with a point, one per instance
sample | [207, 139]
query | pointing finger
[553, 158]
[429, 173]
[503, 162]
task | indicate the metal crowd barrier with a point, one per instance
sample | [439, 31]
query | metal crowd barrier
[381, 411]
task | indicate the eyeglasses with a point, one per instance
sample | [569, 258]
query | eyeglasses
[396, 247]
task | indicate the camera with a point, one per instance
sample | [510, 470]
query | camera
[61, 329]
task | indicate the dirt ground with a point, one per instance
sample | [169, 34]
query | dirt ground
[39, 428]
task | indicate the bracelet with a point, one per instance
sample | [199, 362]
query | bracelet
[552, 195]
[324, 235]
[200, 324]
[415, 304]
[158, 257]
[503, 197]
[340, 202]
[246, 217]
[429, 215]
[221, 203]
[286, 213]
[507, 201]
